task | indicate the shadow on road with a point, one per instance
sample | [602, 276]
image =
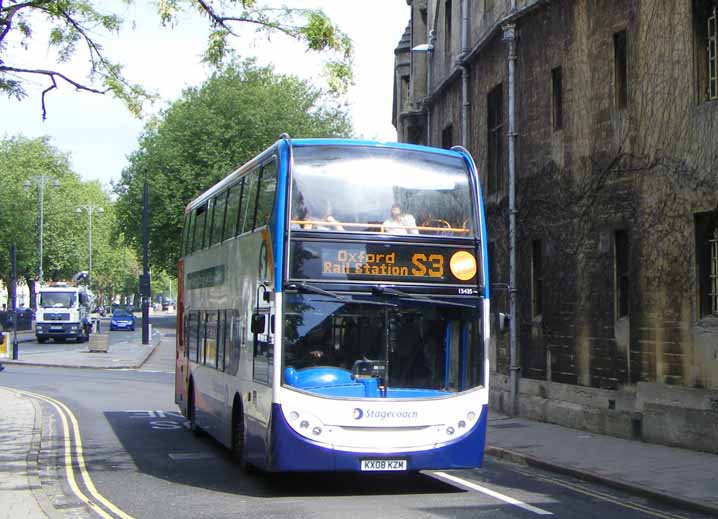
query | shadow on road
[161, 446]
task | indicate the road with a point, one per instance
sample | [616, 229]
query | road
[142, 459]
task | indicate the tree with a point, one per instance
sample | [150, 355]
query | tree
[21, 161]
[82, 23]
[207, 133]
[65, 236]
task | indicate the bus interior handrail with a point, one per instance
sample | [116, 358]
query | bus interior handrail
[380, 227]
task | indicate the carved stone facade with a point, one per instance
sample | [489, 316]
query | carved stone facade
[616, 116]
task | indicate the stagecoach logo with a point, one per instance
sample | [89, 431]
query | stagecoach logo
[359, 413]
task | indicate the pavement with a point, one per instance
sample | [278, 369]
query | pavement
[682, 478]
[679, 477]
[120, 355]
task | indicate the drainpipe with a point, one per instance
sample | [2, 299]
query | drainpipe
[465, 77]
[510, 38]
[429, 79]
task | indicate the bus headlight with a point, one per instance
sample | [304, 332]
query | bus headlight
[306, 424]
[463, 265]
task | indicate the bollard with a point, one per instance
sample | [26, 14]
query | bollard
[3, 347]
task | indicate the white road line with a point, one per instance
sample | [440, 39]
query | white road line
[483, 490]
[190, 456]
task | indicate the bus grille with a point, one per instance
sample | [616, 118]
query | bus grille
[57, 317]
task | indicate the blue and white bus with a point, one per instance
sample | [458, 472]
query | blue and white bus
[333, 309]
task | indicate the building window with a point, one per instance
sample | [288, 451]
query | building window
[556, 99]
[620, 61]
[404, 99]
[447, 137]
[536, 279]
[705, 30]
[447, 27]
[494, 150]
[713, 54]
[621, 282]
[707, 255]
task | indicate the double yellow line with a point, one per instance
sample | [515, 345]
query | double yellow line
[90, 496]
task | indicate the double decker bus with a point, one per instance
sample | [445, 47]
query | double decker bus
[333, 310]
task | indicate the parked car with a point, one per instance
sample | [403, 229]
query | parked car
[122, 320]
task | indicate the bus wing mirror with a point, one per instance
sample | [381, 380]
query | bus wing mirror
[259, 322]
[503, 322]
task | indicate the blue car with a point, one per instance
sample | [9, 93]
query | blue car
[122, 320]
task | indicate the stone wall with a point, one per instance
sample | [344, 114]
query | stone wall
[641, 171]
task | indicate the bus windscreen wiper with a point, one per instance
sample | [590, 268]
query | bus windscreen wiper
[416, 297]
[305, 287]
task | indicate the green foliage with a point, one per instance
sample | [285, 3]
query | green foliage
[207, 133]
[83, 22]
[66, 232]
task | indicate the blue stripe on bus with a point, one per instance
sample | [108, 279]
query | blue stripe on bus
[292, 452]
[281, 212]
[482, 221]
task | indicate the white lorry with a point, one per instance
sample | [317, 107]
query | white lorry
[63, 312]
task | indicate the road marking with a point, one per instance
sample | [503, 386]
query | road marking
[190, 456]
[79, 461]
[165, 425]
[601, 495]
[489, 492]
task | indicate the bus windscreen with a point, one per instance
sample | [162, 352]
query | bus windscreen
[390, 347]
[380, 190]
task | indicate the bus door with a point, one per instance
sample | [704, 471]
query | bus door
[259, 402]
[263, 346]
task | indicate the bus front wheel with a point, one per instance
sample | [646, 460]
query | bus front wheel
[239, 437]
[192, 411]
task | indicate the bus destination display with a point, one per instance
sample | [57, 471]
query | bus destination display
[381, 262]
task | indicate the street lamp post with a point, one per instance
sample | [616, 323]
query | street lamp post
[89, 209]
[41, 181]
[145, 285]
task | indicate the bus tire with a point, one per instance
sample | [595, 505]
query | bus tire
[239, 437]
[192, 411]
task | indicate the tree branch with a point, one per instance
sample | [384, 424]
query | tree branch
[9, 12]
[52, 74]
[221, 21]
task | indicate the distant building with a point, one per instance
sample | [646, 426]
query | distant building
[616, 160]
[23, 295]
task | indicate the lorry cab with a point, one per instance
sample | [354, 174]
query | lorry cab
[63, 312]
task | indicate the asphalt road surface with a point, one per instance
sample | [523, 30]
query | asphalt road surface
[145, 463]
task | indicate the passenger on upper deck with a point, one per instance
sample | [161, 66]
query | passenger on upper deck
[399, 223]
[326, 223]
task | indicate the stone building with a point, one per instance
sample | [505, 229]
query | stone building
[606, 112]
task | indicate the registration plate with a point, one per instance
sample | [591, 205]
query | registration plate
[369, 465]
[55, 328]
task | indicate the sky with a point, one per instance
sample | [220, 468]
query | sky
[99, 132]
